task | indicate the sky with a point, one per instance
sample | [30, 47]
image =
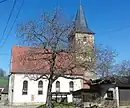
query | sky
[109, 19]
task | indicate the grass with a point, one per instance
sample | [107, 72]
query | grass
[60, 105]
[3, 80]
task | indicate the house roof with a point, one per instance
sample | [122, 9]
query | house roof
[123, 81]
[119, 81]
[29, 60]
[85, 90]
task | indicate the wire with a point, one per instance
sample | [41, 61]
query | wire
[116, 30]
[13, 23]
[8, 20]
[3, 1]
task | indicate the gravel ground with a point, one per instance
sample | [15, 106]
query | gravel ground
[29, 106]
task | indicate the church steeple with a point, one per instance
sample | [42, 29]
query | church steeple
[80, 22]
[80, 35]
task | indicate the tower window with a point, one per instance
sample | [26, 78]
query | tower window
[79, 41]
[84, 39]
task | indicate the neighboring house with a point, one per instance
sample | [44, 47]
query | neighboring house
[3, 92]
[96, 95]
[105, 92]
[123, 90]
[23, 90]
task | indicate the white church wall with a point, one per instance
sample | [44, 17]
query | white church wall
[32, 90]
[64, 84]
[32, 96]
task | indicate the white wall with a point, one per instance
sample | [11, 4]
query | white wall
[109, 88]
[18, 98]
[64, 84]
[115, 92]
[117, 96]
[11, 86]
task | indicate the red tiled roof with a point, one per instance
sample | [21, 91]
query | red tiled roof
[23, 62]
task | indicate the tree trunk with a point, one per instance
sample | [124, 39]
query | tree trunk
[49, 96]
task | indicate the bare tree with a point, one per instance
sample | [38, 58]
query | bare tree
[105, 60]
[123, 69]
[49, 52]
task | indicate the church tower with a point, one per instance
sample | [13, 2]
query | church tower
[81, 38]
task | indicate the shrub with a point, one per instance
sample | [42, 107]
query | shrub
[60, 105]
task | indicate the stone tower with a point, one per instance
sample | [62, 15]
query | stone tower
[81, 37]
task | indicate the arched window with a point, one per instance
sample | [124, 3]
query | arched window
[25, 88]
[57, 86]
[79, 41]
[71, 85]
[40, 87]
[84, 39]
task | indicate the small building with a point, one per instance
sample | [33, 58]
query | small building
[99, 90]
[3, 92]
[85, 97]
[111, 91]
[123, 84]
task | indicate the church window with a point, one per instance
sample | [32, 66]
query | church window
[40, 87]
[57, 86]
[71, 86]
[84, 39]
[25, 88]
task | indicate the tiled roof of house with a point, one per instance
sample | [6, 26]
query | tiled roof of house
[29, 60]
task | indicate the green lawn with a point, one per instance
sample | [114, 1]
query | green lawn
[3, 80]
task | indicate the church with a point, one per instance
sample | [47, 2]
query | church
[23, 90]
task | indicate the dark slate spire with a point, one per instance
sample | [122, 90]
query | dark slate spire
[80, 22]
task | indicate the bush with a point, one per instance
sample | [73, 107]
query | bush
[60, 105]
